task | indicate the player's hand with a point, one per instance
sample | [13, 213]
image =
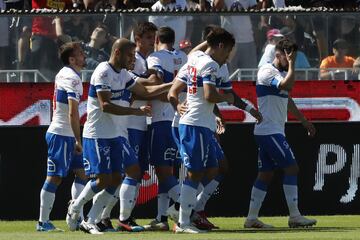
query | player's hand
[78, 148]
[257, 115]
[220, 125]
[182, 108]
[310, 128]
[145, 111]
[229, 98]
[290, 56]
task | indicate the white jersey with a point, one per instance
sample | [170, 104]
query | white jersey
[105, 125]
[140, 70]
[67, 86]
[168, 63]
[202, 69]
[178, 24]
[272, 101]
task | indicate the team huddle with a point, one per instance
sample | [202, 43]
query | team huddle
[179, 92]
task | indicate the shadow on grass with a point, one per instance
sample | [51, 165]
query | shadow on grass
[287, 230]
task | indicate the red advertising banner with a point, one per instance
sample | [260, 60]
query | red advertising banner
[30, 103]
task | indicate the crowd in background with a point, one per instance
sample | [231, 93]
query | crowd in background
[32, 41]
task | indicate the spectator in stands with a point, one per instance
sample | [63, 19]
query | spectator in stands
[94, 51]
[337, 61]
[24, 51]
[241, 27]
[178, 23]
[273, 37]
[77, 27]
[139, 3]
[185, 46]
[44, 50]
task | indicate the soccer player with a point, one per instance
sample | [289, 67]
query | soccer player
[166, 62]
[144, 35]
[274, 82]
[63, 135]
[196, 136]
[105, 143]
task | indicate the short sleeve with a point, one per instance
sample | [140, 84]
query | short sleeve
[73, 88]
[154, 62]
[269, 77]
[101, 80]
[225, 82]
[209, 73]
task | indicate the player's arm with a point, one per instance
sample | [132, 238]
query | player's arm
[147, 92]
[220, 123]
[239, 103]
[152, 80]
[288, 82]
[107, 106]
[292, 108]
[75, 123]
[200, 47]
[173, 96]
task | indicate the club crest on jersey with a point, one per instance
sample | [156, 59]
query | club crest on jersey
[75, 83]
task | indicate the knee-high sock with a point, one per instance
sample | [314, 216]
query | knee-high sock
[204, 196]
[47, 198]
[187, 201]
[291, 194]
[100, 203]
[258, 194]
[127, 196]
[86, 195]
[76, 188]
[107, 210]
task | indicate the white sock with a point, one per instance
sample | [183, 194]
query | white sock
[98, 205]
[47, 198]
[107, 210]
[163, 202]
[127, 196]
[291, 195]
[257, 197]
[76, 189]
[205, 195]
[187, 201]
[86, 195]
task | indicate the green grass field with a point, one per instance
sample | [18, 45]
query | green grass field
[328, 227]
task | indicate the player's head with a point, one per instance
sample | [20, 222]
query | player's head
[71, 54]
[123, 53]
[340, 48]
[100, 34]
[165, 35]
[207, 30]
[221, 43]
[144, 35]
[284, 45]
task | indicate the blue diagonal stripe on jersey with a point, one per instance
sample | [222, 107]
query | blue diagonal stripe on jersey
[61, 96]
[262, 91]
[92, 91]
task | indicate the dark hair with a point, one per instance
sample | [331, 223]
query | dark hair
[220, 35]
[103, 26]
[207, 30]
[67, 50]
[144, 27]
[340, 44]
[166, 35]
[286, 45]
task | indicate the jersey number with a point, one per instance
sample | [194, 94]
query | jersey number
[192, 89]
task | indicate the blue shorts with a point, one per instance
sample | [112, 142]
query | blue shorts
[162, 145]
[60, 154]
[102, 155]
[139, 142]
[274, 152]
[176, 137]
[197, 147]
[128, 155]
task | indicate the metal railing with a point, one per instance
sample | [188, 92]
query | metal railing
[23, 76]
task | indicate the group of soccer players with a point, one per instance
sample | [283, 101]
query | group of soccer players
[150, 78]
